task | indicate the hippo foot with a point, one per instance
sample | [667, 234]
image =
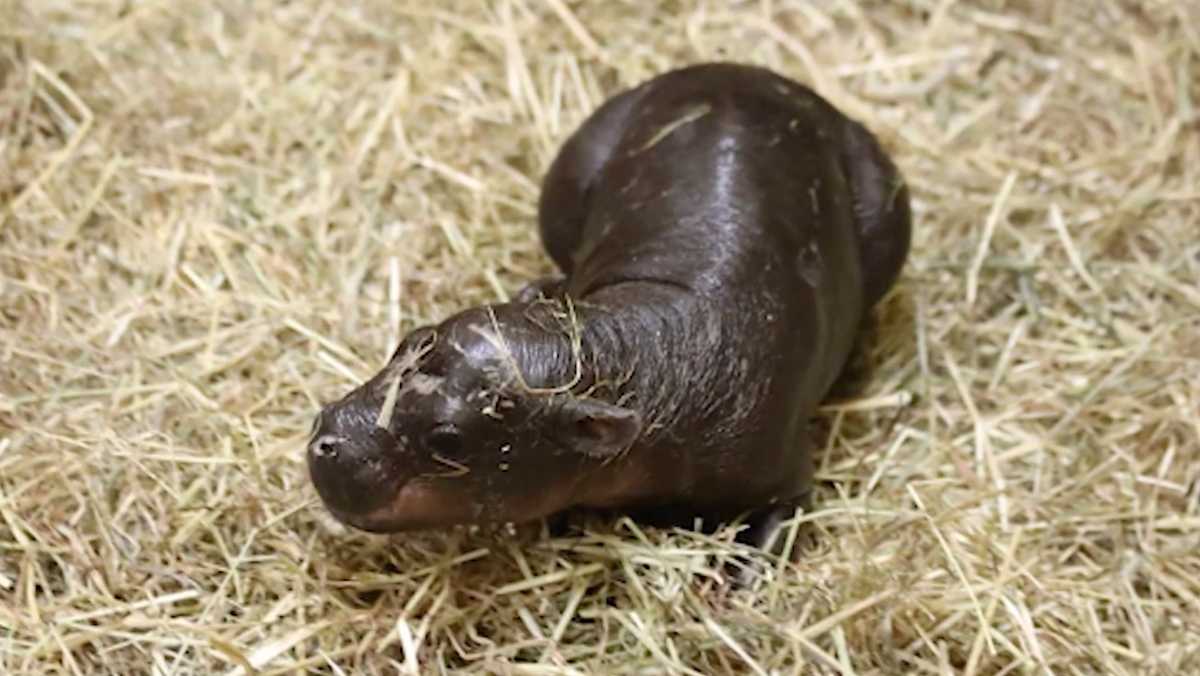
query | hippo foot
[765, 531]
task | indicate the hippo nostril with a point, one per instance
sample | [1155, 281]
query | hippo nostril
[326, 446]
[351, 474]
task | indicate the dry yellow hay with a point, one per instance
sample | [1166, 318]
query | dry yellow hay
[217, 215]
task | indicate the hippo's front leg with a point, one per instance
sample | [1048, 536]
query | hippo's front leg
[764, 529]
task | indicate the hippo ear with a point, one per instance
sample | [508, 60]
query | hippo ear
[597, 429]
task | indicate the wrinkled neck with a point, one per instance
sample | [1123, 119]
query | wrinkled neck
[543, 342]
[627, 344]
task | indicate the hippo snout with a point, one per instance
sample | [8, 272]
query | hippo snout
[351, 461]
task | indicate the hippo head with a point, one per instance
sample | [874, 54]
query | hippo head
[452, 432]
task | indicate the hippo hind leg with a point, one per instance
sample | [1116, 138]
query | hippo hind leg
[881, 210]
[563, 205]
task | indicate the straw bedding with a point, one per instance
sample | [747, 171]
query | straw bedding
[216, 216]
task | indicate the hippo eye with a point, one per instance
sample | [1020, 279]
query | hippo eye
[444, 439]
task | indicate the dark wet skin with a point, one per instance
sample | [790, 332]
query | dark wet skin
[722, 231]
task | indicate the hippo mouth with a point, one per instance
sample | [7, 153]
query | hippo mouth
[417, 505]
[422, 504]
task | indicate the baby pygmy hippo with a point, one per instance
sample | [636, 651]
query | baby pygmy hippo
[721, 231]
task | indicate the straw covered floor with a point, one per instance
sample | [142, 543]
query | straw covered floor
[216, 216]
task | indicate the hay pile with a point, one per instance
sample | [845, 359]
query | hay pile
[217, 215]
